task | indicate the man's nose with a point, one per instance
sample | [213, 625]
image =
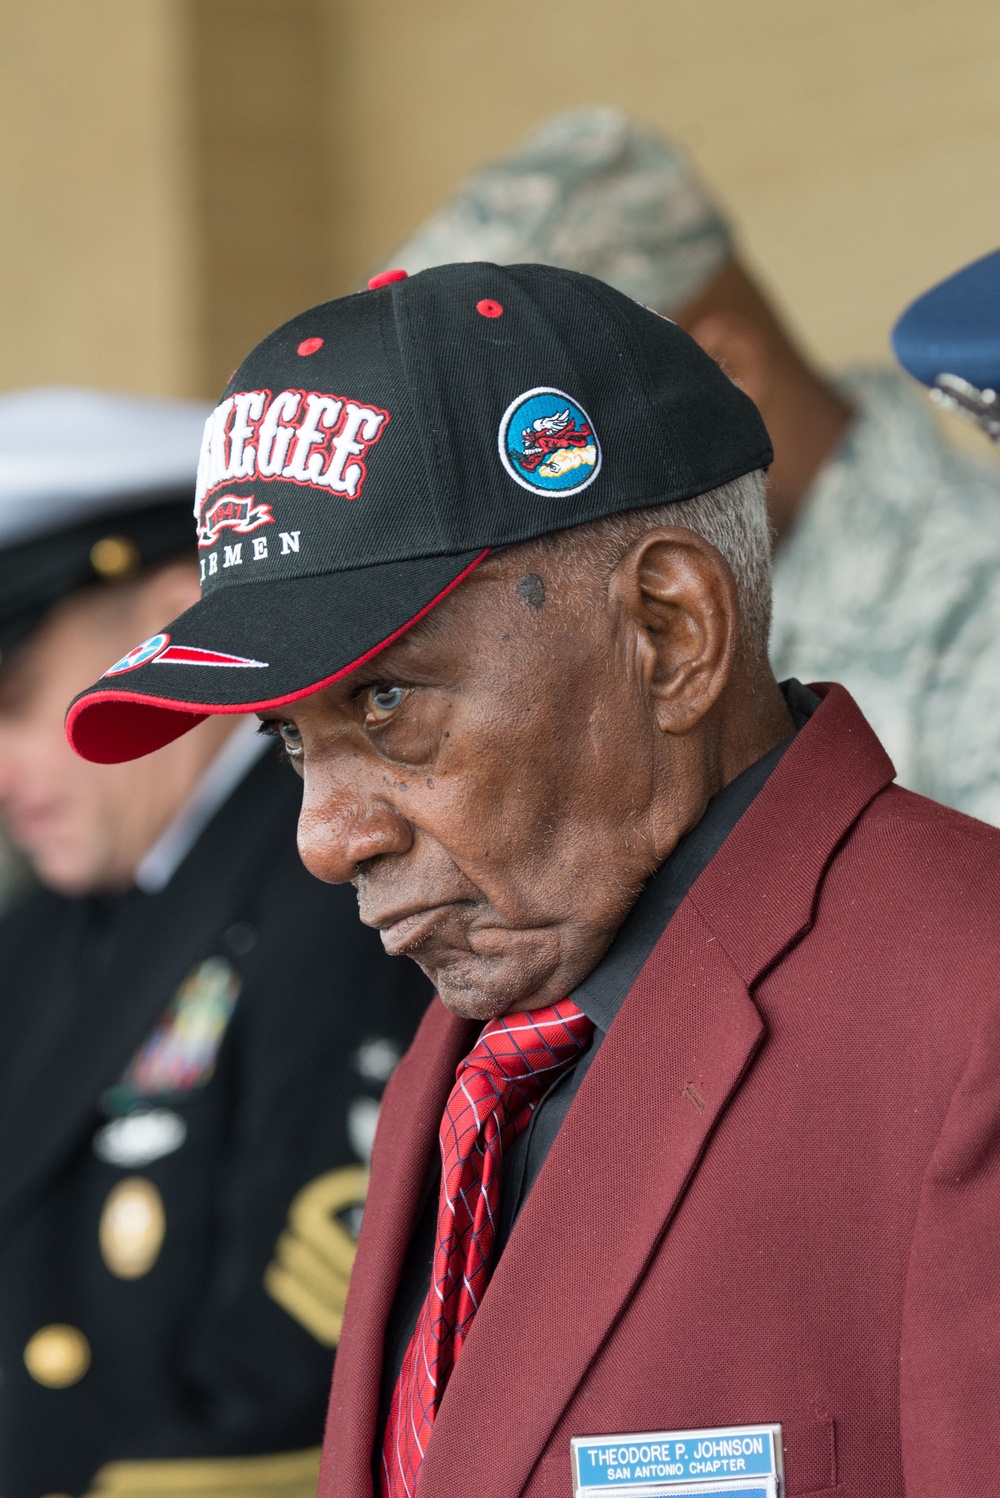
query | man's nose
[341, 829]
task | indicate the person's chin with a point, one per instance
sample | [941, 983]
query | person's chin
[70, 882]
[64, 869]
[511, 971]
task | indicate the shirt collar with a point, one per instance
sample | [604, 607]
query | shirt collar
[243, 748]
[602, 993]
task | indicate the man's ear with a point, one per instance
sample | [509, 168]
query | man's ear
[679, 601]
[736, 343]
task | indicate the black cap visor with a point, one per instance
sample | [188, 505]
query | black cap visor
[246, 648]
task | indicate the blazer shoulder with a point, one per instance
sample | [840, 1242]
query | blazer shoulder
[928, 868]
[915, 823]
[896, 804]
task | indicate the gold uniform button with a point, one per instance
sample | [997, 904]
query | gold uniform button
[114, 557]
[133, 1224]
[57, 1356]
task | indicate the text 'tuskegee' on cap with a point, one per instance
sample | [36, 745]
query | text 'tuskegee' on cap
[372, 452]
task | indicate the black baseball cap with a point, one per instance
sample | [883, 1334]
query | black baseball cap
[371, 453]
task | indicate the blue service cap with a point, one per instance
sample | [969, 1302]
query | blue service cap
[949, 339]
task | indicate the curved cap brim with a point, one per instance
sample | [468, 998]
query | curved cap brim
[246, 648]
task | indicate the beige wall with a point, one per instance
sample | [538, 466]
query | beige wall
[261, 166]
[164, 182]
[178, 175]
[856, 142]
[96, 269]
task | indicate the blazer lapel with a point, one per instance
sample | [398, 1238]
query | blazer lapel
[759, 892]
[607, 1191]
[405, 1146]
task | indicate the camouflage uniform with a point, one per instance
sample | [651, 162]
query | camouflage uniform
[890, 584]
[589, 190]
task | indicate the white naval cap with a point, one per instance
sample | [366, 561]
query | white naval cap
[590, 190]
[93, 487]
[67, 455]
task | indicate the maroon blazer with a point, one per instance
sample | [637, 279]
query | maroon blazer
[776, 1195]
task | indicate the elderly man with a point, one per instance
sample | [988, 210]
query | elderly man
[193, 1033]
[887, 571]
[711, 1193]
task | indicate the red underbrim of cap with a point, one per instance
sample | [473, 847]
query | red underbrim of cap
[110, 725]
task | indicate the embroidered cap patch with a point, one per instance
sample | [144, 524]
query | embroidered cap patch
[159, 649]
[139, 654]
[548, 443]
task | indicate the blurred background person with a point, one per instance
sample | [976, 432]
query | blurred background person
[194, 1033]
[887, 566]
[15, 876]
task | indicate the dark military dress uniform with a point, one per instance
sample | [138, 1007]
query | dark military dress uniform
[187, 1080]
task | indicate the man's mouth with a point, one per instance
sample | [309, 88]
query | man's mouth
[407, 932]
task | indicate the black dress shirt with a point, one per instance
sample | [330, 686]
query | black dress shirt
[599, 996]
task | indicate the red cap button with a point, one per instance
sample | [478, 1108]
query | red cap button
[386, 278]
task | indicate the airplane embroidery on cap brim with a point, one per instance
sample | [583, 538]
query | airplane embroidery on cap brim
[158, 649]
[191, 655]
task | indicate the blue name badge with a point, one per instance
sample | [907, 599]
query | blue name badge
[739, 1461]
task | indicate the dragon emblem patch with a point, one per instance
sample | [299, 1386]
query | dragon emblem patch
[548, 443]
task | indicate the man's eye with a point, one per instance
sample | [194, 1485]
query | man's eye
[382, 701]
[291, 737]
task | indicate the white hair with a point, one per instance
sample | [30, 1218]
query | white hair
[732, 518]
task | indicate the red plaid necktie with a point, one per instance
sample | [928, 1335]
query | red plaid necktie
[497, 1088]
